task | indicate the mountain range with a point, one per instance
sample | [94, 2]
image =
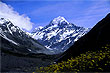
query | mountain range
[59, 35]
[15, 40]
[54, 38]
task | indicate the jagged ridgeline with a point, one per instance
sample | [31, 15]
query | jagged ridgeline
[15, 40]
[59, 35]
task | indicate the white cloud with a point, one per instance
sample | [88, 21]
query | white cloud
[22, 21]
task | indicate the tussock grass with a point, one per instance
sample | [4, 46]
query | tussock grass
[87, 62]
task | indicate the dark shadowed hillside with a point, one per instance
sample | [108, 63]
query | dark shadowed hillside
[98, 61]
[98, 36]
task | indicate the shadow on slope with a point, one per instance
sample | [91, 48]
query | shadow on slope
[97, 37]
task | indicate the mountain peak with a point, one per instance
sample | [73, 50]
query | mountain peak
[3, 20]
[59, 19]
[40, 27]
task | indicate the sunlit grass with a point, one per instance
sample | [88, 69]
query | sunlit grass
[89, 61]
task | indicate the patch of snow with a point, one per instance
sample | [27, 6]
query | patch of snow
[74, 34]
[75, 39]
[38, 35]
[51, 34]
[1, 22]
[0, 30]
[29, 34]
[40, 27]
[67, 33]
[9, 28]
[13, 28]
[9, 40]
[29, 49]
[61, 38]
[52, 27]
[48, 47]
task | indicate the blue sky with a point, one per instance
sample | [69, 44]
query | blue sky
[84, 13]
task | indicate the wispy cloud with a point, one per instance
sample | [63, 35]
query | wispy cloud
[99, 7]
[58, 8]
[93, 14]
[22, 21]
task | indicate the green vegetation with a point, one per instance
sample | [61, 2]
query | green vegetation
[88, 62]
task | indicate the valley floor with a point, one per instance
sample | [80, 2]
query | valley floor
[91, 61]
[11, 63]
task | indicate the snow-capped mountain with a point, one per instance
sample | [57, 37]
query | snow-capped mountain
[59, 35]
[97, 37]
[15, 40]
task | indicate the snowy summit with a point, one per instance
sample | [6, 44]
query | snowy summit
[59, 19]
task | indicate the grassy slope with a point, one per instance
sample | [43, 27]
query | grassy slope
[89, 61]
